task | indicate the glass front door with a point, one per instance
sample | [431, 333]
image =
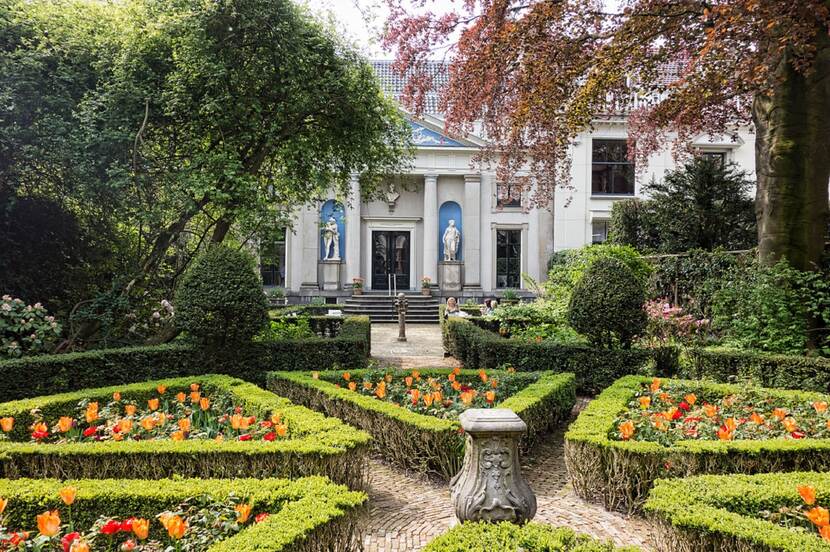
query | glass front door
[390, 259]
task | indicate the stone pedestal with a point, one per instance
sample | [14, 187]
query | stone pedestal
[490, 486]
[450, 275]
[330, 275]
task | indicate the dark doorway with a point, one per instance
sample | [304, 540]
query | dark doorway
[390, 258]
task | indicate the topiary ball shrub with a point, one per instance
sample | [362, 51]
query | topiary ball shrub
[607, 304]
[220, 299]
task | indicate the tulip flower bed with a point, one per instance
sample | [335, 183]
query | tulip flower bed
[211, 426]
[267, 515]
[786, 512]
[508, 537]
[413, 416]
[641, 429]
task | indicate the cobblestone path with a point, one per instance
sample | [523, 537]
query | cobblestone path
[407, 511]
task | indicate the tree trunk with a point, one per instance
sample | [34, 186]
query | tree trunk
[792, 158]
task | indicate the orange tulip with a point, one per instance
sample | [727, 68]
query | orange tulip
[780, 413]
[511, 370]
[116, 396]
[819, 516]
[757, 418]
[483, 375]
[466, 398]
[153, 404]
[790, 424]
[655, 385]
[176, 527]
[148, 423]
[494, 383]
[456, 386]
[204, 403]
[451, 377]
[239, 421]
[177, 436]
[808, 494]
[67, 494]
[281, 429]
[79, 545]
[141, 528]
[130, 409]
[408, 381]
[380, 392]
[276, 418]
[490, 396]
[195, 396]
[645, 402]
[416, 396]
[3, 503]
[117, 436]
[194, 386]
[388, 378]
[352, 386]
[820, 406]
[7, 424]
[416, 374]
[658, 423]
[91, 413]
[626, 430]
[691, 398]
[49, 523]
[824, 532]
[180, 396]
[437, 396]
[161, 389]
[347, 376]
[730, 424]
[184, 424]
[724, 434]
[456, 371]
[243, 512]
[125, 425]
[710, 410]
[428, 400]
[64, 424]
[665, 398]
[367, 385]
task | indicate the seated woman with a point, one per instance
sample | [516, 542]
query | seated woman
[452, 308]
[487, 308]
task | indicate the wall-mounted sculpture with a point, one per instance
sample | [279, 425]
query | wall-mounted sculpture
[331, 241]
[332, 231]
[451, 239]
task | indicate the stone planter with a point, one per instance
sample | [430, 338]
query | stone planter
[357, 291]
[426, 291]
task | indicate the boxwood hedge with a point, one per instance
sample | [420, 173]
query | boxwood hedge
[317, 445]
[595, 369]
[619, 474]
[416, 441]
[40, 375]
[308, 514]
[716, 512]
[507, 537]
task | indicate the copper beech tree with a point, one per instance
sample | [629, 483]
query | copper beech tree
[538, 72]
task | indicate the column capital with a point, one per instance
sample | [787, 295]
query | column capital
[472, 178]
[433, 176]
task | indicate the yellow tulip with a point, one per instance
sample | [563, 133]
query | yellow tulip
[276, 418]
[64, 424]
[7, 424]
[49, 523]
[141, 528]
[68, 495]
[243, 512]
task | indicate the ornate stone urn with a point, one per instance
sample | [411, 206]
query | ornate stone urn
[490, 486]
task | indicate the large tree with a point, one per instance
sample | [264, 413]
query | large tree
[538, 72]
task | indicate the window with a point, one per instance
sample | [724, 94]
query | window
[599, 231]
[272, 259]
[508, 195]
[719, 157]
[611, 171]
[508, 258]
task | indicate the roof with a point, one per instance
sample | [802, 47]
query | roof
[393, 83]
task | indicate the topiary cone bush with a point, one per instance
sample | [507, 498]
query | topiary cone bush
[220, 299]
[607, 304]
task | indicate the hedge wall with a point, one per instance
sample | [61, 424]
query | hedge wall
[416, 441]
[716, 512]
[507, 537]
[781, 371]
[595, 369]
[619, 474]
[40, 375]
[309, 514]
[317, 445]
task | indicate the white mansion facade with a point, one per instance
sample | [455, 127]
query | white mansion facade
[392, 243]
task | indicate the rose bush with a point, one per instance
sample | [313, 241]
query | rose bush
[25, 329]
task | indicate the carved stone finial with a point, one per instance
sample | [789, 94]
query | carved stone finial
[490, 486]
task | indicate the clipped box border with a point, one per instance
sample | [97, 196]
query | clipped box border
[689, 514]
[619, 474]
[307, 513]
[417, 441]
[318, 445]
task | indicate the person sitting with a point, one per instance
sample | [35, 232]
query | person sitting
[486, 309]
[452, 308]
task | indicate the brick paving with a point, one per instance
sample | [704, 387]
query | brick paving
[408, 510]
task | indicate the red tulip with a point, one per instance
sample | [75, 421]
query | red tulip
[68, 539]
[245, 437]
[270, 436]
[90, 431]
[111, 527]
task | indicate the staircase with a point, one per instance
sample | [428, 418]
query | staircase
[380, 308]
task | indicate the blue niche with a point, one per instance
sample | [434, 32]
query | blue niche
[333, 208]
[449, 210]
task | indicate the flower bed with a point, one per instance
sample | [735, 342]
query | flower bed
[619, 445]
[782, 512]
[507, 537]
[422, 432]
[210, 426]
[238, 515]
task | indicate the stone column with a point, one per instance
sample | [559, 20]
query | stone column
[430, 227]
[490, 485]
[353, 231]
[471, 235]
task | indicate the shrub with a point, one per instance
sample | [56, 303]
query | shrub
[25, 329]
[508, 537]
[220, 300]
[285, 329]
[316, 444]
[39, 375]
[619, 474]
[607, 304]
[735, 512]
[307, 514]
[566, 268]
[418, 441]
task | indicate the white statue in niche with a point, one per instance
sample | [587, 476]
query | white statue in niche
[331, 240]
[452, 237]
